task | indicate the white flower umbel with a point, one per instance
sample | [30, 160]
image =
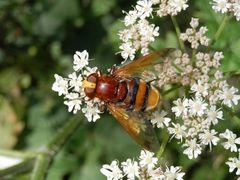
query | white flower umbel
[131, 169]
[144, 8]
[80, 60]
[195, 37]
[75, 81]
[214, 114]
[196, 114]
[227, 6]
[173, 173]
[232, 140]
[73, 102]
[60, 85]
[180, 107]
[193, 149]
[128, 50]
[147, 159]
[139, 32]
[197, 106]
[229, 96]
[130, 17]
[176, 6]
[209, 138]
[137, 37]
[146, 168]
[201, 89]
[171, 7]
[91, 112]
[177, 131]
[220, 5]
[112, 171]
[72, 90]
[236, 10]
[160, 120]
[234, 163]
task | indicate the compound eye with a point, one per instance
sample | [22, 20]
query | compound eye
[90, 85]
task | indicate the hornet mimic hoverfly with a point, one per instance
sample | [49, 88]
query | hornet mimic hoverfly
[129, 97]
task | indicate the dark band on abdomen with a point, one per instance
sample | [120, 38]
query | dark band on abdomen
[146, 97]
[133, 94]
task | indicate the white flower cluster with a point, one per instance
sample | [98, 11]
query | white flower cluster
[194, 37]
[225, 6]
[234, 163]
[171, 7]
[160, 120]
[146, 169]
[182, 69]
[197, 115]
[71, 87]
[139, 32]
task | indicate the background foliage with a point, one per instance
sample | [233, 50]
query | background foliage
[38, 39]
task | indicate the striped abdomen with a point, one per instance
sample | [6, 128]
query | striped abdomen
[141, 96]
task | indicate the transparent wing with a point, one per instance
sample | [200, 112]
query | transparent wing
[137, 127]
[146, 63]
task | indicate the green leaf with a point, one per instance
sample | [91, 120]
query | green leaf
[113, 31]
[90, 171]
[101, 7]
[49, 22]
[64, 164]
[40, 127]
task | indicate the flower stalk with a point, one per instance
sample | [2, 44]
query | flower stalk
[177, 29]
[163, 145]
[20, 168]
[220, 30]
[41, 160]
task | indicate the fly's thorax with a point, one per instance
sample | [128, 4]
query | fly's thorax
[107, 88]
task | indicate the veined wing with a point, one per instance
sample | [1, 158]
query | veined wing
[137, 127]
[146, 63]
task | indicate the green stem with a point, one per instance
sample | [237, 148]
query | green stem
[45, 158]
[177, 68]
[152, 48]
[40, 167]
[177, 29]
[193, 58]
[220, 30]
[20, 168]
[64, 134]
[18, 154]
[163, 145]
[25, 165]
[170, 90]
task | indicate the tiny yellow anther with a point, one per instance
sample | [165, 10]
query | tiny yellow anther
[87, 84]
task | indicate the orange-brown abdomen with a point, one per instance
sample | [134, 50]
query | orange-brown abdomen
[141, 96]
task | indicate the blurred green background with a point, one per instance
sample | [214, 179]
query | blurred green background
[39, 37]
